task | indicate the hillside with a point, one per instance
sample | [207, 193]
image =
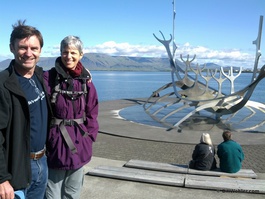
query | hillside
[94, 61]
[104, 62]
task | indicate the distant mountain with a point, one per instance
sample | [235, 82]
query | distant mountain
[4, 64]
[210, 66]
[96, 61]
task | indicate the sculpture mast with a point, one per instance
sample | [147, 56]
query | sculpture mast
[174, 47]
[258, 53]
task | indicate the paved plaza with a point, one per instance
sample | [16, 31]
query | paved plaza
[121, 140]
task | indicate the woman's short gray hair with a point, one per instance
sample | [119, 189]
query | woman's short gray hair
[72, 41]
[205, 138]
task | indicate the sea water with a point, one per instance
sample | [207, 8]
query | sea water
[114, 85]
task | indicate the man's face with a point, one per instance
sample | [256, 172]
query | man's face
[26, 52]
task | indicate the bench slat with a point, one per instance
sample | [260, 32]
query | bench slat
[139, 175]
[175, 168]
[181, 180]
[225, 184]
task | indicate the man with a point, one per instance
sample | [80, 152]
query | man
[230, 154]
[24, 117]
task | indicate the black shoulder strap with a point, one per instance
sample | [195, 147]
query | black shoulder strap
[56, 89]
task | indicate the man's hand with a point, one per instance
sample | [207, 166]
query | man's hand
[6, 191]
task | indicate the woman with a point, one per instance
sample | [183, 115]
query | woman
[74, 125]
[203, 154]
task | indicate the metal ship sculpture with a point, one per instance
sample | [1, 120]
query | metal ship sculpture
[191, 92]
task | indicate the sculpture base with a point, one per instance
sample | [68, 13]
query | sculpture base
[127, 118]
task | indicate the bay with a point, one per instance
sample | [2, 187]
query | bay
[127, 85]
[114, 85]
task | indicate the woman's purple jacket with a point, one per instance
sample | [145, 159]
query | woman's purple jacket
[59, 155]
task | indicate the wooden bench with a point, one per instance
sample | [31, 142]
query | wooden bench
[175, 168]
[181, 180]
[235, 185]
[139, 175]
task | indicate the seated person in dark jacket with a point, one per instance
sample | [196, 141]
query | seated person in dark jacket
[203, 154]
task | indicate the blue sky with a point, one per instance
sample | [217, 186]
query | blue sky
[219, 31]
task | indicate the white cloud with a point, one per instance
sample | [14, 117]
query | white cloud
[51, 51]
[225, 57]
[126, 49]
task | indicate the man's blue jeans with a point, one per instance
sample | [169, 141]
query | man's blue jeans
[39, 170]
